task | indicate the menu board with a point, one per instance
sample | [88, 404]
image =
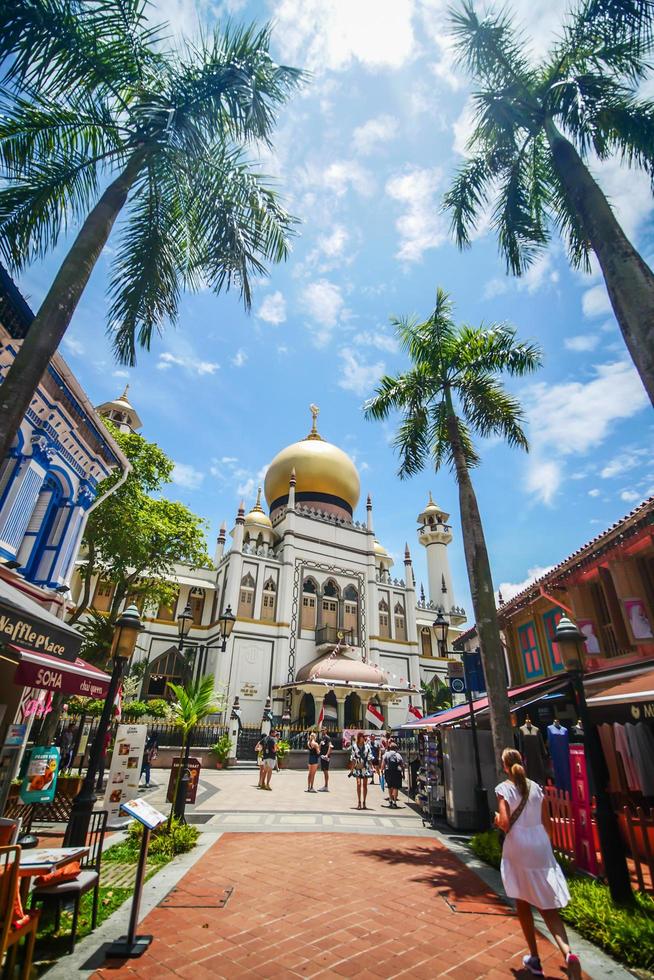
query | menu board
[40, 781]
[125, 771]
[142, 811]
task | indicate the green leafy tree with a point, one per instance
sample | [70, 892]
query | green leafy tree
[195, 700]
[537, 127]
[451, 393]
[99, 112]
[134, 539]
[436, 695]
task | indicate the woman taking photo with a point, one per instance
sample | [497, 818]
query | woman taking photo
[530, 873]
[361, 768]
[313, 747]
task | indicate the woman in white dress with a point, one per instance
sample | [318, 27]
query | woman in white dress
[530, 873]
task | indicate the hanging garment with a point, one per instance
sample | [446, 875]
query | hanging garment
[624, 751]
[641, 743]
[617, 778]
[534, 753]
[557, 743]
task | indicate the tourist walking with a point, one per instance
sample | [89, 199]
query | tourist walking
[267, 746]
[530, 872]
[393, 768]
[325, 745]
[149, 755]
[374, 751]
[361, 768]
[66, 748]
[313, 748]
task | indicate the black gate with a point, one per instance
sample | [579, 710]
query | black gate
[247, 740]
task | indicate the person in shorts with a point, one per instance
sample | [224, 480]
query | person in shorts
[393, 765]
[268, 748]
[326, 745]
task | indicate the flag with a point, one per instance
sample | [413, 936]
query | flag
[321, 717]
[374, 716]
[414, 713]
[331, 714]
[118, 704]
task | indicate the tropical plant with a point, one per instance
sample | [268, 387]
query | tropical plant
[451, 393]
[537, 129]
[195, 700]
[436, 695]
[282, 749]
[222, 749]
[100, 111]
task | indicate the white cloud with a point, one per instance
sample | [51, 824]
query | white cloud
[331, 34]
[629, 496]
[273, 308]
[421, 226]
[120, 374]
[624, 462]
[573, 417]
[358, 376]
[540, 273]
[333, 244]
[191, 364]
[594, 492]
[239, 358]
[581, 342]
[495, 287]
[380, 130]
[187, 476]
[511, 589]
[595, 301]
[463, 127]
[73, 346]
[378, 339]
[249, 483]
[341, 175]
[324, 303]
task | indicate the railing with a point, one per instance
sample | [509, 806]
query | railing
[330, 634]
[561, 822]
[638, 828]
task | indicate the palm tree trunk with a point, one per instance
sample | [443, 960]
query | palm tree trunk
[483, 600]
[629, 281]
[52, 320]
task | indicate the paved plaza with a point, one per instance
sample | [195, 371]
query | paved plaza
[291, 884]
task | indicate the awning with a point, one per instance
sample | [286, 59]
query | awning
[635, 688]
[47, 673]
[523, 695]
[195, 583]
[24, 622]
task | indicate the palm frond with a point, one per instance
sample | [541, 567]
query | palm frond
[494, 349]
[489, 48]
[489, 410]
[519, 216]
[195, 700]
[626, 127]
[467, 197]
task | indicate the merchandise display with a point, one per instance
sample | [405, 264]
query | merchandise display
[431, 787]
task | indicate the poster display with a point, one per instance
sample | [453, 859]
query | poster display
[40, 783]
[194, 768]
[144, 812]
[125, 771]
[587, 627]
[638, 619]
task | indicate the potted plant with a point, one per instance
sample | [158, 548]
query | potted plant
[283, 748]
[222, 750]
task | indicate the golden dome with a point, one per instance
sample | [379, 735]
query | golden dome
[257, 516]
[381, 552]
[320, 468]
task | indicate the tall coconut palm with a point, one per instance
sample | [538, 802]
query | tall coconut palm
[537, 128]
[99, 114]
[450, 394]
[195, 700]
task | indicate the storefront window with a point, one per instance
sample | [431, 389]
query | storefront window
[550, 622]
[529, 649]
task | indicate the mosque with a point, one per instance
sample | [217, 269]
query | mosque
[321, 620]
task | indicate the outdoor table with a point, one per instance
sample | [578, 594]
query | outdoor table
[43, 860]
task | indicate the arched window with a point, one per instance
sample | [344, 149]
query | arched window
[425, 642]
[400, 621]
[331, 589]
[268, 599]
[309, 590]
[246, 597]
[168, 666]
[330, 594]
[104, 593]
[384, 625]
[351, 609]
[196, 601]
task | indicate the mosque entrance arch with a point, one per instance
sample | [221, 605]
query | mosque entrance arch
[353, 711]
[307, 711]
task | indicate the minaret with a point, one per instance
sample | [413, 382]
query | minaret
[121, 413]
[291, 492]
[237, 533]
[369, 514]
[435, 534]
[220, 544]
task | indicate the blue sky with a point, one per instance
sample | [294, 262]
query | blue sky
[362, 157]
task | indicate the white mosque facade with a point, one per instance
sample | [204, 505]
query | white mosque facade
[322, 616]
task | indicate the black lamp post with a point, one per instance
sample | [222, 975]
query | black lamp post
[226, 623]
[570, 638]
[126, 630]
[441, 626]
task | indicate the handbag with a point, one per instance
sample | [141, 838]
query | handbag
[514, 816]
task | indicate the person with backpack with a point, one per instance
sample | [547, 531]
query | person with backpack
[530, 872]
[267, 746]
[393, 766]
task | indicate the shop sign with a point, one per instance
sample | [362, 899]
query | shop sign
[643, 711]
[455, 668]
[18, 628]
[61, 679]
[194, 768]
[40, 780]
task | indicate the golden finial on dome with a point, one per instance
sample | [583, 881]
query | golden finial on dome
[258, 506]
[123, 397]
[314, 434]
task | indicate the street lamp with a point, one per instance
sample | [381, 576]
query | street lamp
[226, 622]
[570, 638]
[126, 630]
[184, 621]
[441, 626]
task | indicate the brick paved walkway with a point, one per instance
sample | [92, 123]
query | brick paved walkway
[299, 909]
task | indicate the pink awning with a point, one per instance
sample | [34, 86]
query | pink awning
[48, 673]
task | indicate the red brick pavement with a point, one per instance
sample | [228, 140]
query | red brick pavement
[331, 906]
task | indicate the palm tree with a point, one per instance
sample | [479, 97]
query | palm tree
[536, 128]
[436, 695]
[195, 701]
[450, 393]
[97, 114]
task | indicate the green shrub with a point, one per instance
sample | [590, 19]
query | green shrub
[487, 847]
[222, 748]
[158, 708]
[283, 748]
[164, 845]
[135, 709]
[625, 933]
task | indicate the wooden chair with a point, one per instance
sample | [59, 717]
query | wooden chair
[11, 935]
[89, 878]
